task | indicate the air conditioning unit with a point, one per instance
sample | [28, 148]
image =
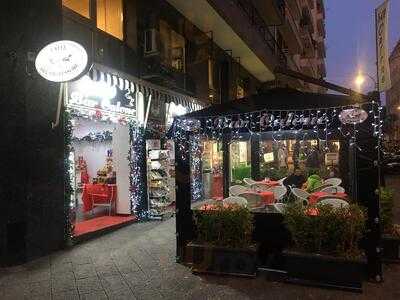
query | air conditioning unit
[151, 42]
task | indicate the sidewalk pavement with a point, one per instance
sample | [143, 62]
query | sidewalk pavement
[138, 262]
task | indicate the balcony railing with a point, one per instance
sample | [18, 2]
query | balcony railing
[258, 22]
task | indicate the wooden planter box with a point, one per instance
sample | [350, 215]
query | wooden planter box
[325, 271]
[391, 248]
[222, 261]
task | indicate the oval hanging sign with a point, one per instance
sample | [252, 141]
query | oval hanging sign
[353, 116]
[61, 61]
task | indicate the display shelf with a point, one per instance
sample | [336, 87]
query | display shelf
[161, 204]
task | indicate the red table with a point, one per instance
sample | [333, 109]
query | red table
[267, 197]
[316, 196]
[99, 193]
[269, 182]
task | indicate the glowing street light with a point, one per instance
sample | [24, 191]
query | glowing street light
[360, 79]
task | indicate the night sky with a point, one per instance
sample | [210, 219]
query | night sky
[350, 38]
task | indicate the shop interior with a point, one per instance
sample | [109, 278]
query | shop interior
[101, 174]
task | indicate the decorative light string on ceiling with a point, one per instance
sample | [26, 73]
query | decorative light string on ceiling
[323, 122]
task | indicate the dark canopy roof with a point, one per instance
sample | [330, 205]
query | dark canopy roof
[275, 99]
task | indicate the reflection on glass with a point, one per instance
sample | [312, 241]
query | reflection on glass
[280, 157]
[212, 170]
[240, 161]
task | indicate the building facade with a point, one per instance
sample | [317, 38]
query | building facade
[393, 95]
[211, 50]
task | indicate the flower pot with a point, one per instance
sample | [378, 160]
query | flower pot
[391, 248]
[325, 271]
[221, 260]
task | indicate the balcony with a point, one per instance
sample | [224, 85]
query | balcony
[321, 8]
[237, 25]
[321, 51]
[308, 68]
[269, 10]
[321, 27]
[290, 30]
[322, 69]
[152, 69]
[294, 7]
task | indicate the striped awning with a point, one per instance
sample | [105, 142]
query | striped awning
[128, 82]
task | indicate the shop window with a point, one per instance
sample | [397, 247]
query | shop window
[280, 157]
[79, 6]
[240, 161]
[212, 170]
[172, 47]
[110, 17]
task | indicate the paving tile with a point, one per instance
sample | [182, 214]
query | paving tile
[63, 285]
[88, 285]
[39, 275]
[121, 295]
[148, 294]
[128, 268]
[84, 271]
[16, 291]
[113, 283]
[99, 295]
[81, 260]
[40, 288]
[136, 279]
[68, 295]
[61, 267]
[107, 270]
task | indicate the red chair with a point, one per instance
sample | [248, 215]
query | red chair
[105, 196]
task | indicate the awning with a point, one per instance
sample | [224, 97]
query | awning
[125, 81]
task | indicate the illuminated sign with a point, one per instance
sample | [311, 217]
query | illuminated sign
[269, 157]
[99, 100]
[61, 61]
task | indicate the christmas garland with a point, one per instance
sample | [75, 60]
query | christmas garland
[69, 226]
[95, 137]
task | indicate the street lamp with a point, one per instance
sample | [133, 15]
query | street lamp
[360, 79]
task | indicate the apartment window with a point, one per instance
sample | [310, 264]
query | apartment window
[172, 47]
[110, 17]
[81, 7]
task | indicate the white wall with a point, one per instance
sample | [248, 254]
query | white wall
[120, 145]
[94, 153]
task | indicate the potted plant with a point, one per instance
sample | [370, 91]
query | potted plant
[391, 232]
[325, 245]
[223, 243]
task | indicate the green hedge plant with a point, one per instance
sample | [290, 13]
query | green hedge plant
[226, 226]
[386, 198]
[326, 230]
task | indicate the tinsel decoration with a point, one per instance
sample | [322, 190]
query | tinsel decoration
[323, 122]
[104, 136]
[196, 182]
[69, 210]
[138, 179]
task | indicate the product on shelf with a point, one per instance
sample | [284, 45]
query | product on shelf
[159, 180]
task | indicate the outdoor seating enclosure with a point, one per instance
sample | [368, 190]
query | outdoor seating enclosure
[243, 139]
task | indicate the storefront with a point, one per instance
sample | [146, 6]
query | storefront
[265, 139]
[119, 170]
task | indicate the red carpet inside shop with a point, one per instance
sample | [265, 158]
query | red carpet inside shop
[100, 223]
